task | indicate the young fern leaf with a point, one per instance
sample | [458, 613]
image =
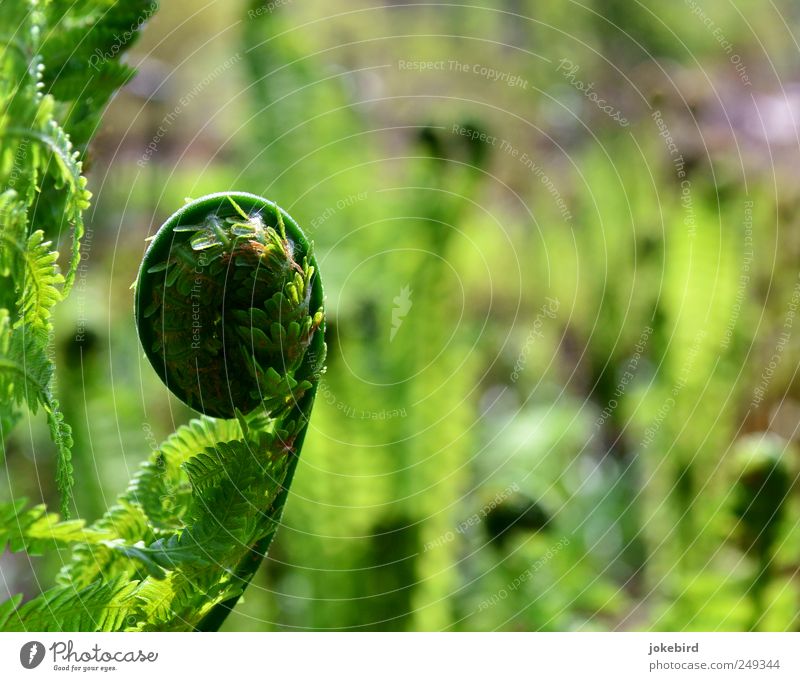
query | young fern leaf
[36, 531]
[25, 371]
[154, 505]
[101, 606]
[47, 90]
[196, 521]
[23, 361]
[41, 284]
[60, 163]
[7, 609]
[82, 34]
[26, 375]
[254, 354]
[61, 435]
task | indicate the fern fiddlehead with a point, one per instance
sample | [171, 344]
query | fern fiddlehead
[229, 308]
[224, 305]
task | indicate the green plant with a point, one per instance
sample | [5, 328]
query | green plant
[184, 540]
[224, 305]
[181, 544]
[57, 73]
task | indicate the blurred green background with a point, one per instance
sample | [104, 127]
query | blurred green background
[559, 243]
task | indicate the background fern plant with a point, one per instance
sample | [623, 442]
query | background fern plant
[182, 542]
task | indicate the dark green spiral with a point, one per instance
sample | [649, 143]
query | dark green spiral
[229, 306]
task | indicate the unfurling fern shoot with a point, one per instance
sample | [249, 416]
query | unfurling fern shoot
[228, 304]
[229, 309]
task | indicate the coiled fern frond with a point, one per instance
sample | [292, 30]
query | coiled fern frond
[224, 305]
[229, 311]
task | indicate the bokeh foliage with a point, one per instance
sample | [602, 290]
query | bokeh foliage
[561, 404]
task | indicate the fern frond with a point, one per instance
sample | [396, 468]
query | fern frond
[102, 606]
[89, 34]
[195, 437]
[25, 369]
[26, 374]
[61, 435]
[162, 487]
[231, 487]
[186, 536]
[41, 283]
[98, 560]
[7, 609]
[157, 598]
[219, 463]
[171, 604]
[216, 593]
[154, 505]
[36, 531]
[69, 182]
[50, 104]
